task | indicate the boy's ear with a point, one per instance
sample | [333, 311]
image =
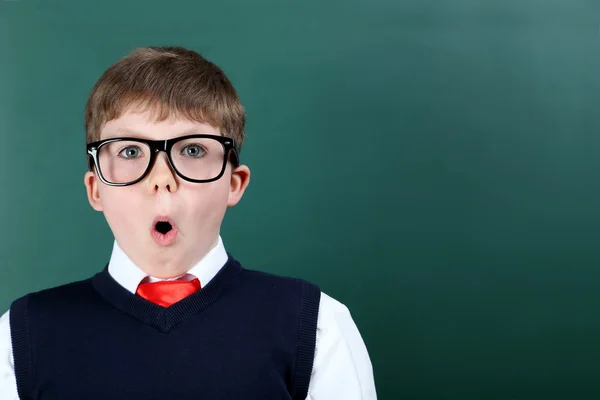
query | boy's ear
[91, 186]
[240, 178]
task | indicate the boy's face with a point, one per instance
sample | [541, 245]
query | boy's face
[195, 210]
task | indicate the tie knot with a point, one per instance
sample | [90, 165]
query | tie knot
[167, 293]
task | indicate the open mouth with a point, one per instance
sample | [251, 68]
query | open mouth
[163, 227]
[164, 232]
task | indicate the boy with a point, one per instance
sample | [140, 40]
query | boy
[173, 315]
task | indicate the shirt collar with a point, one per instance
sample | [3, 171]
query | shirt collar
[129, 275]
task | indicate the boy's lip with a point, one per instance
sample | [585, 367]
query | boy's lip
[165, 239]
[163, 219]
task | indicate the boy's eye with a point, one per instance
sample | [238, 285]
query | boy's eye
[192, 150]
[130, 152]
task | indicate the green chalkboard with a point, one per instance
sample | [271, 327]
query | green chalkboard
[434, 165]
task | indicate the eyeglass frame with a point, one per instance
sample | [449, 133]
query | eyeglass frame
[156, 146]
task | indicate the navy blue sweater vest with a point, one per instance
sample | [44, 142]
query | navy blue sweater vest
[246, 335]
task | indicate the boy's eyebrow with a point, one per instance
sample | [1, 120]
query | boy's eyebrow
[122, 132]
[125, 132]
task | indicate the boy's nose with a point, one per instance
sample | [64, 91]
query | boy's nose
[161, 176]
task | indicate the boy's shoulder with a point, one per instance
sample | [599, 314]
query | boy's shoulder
[65, 293]
[273, 278]
[278, 282]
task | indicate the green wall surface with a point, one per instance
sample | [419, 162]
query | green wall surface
[433, 165]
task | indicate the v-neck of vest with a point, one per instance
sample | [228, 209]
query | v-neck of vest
[161, 318]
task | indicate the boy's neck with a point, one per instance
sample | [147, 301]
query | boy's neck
[165, 267]
[204, 266]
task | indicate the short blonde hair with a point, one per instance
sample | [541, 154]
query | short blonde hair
[168, 82]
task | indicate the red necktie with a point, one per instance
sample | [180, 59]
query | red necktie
[166, 293]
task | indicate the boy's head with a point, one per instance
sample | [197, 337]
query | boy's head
[164, 208]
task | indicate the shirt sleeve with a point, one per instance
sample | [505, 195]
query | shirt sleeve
[8, 383]
[342, 368]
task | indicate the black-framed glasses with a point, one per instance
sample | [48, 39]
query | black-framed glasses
[196, 158]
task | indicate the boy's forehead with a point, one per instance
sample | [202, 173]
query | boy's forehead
[144, 125]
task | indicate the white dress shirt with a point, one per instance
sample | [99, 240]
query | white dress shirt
[342, 367]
